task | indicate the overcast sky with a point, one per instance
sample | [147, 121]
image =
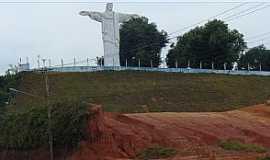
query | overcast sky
[56, 31]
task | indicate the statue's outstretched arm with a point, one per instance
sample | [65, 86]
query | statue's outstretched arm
[126, 17]
[97, 16]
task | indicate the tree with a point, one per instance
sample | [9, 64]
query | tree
[256, 57]
[7, 81]
[212, 43]
[141, 41]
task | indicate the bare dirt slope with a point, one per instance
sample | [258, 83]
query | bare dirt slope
[194, 135]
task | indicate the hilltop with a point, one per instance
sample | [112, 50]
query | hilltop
[132, 92]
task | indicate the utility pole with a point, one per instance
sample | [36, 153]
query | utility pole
[49, 111]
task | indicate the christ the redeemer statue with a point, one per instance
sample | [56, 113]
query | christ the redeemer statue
[110, 32]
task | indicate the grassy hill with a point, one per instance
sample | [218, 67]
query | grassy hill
[143, 92]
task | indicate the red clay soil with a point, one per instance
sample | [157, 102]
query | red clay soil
[193, 135]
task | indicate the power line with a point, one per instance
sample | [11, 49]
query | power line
[259, 35]
[135, 2]
[224, 12]
[243, 11]
[175, 37]
[267, 43]
[260, 40]
[229, 16]
[249, 13]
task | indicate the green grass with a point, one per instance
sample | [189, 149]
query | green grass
[234, 145]
[156, 152]
[144, 91]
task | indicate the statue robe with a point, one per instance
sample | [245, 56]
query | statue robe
[110, 34]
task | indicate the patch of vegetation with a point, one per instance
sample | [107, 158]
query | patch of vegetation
[6, 82]
[234, 145]
[156, 152]
[28, 129]
[132, 92]
[266, 158]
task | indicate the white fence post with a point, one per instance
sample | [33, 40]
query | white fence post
[50, 63]
[113, 64]
[38, 61]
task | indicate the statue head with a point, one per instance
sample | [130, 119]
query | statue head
[109, 7]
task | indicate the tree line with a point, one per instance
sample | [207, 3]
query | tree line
[213, 45]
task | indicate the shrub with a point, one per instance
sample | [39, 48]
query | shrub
[28, 129]
[235, 145]
[6, 82]
[156, 152]
[266, 158]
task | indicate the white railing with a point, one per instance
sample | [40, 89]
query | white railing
[149, 69]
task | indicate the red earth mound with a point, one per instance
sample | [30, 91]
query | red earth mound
[193, 135]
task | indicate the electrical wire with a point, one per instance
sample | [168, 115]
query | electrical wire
[259, 9]
[243, 11]
[259, 35]
[213, 17]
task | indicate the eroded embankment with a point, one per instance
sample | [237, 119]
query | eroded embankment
[116, 136]
[193, 135]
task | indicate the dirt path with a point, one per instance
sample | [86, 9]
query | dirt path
[194, 135]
